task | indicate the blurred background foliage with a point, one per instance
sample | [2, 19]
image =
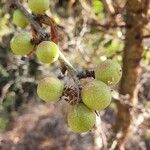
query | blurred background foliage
[83, 39]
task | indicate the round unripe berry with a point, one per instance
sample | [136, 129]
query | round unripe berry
[47, 52]
[38, 6]
[96, 95]
[109, 71]
[20, 19]
[21, 43]
[4, 121]
[50, 89]
[80, 118]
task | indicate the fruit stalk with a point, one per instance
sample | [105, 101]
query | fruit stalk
[72, 71]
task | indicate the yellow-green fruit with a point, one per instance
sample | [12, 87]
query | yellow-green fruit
[47, 52]
[50, 89]
[80, 118]
[96, 95]
[4, 121]
[21, 43]
[20, 19]
[38, 6]
[109, 71]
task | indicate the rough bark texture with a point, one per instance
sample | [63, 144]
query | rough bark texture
[135, 19]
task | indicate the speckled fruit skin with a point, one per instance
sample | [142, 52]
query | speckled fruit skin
[50, 89]
[96, 95]
[109, 71]
[47, 52]
[80, 118]
[20, 19]
[21, 43]
[38, 6]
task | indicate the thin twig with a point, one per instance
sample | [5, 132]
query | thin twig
[109, 6]
[31, 19]
[124, 101]
[107, 25]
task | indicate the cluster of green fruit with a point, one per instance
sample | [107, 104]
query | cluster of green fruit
[95, 95]
[37, 7]
[21, 44]
[47, 51]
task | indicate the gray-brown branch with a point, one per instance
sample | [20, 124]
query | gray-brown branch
[31, 19]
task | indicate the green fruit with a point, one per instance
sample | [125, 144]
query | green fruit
[80, 118]
[21, 44]
[38, 6]
[114, 47]
[3, 122]
[109, 71]
[50, 89]
[20, 19]
[47, 52]
[96, 95]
